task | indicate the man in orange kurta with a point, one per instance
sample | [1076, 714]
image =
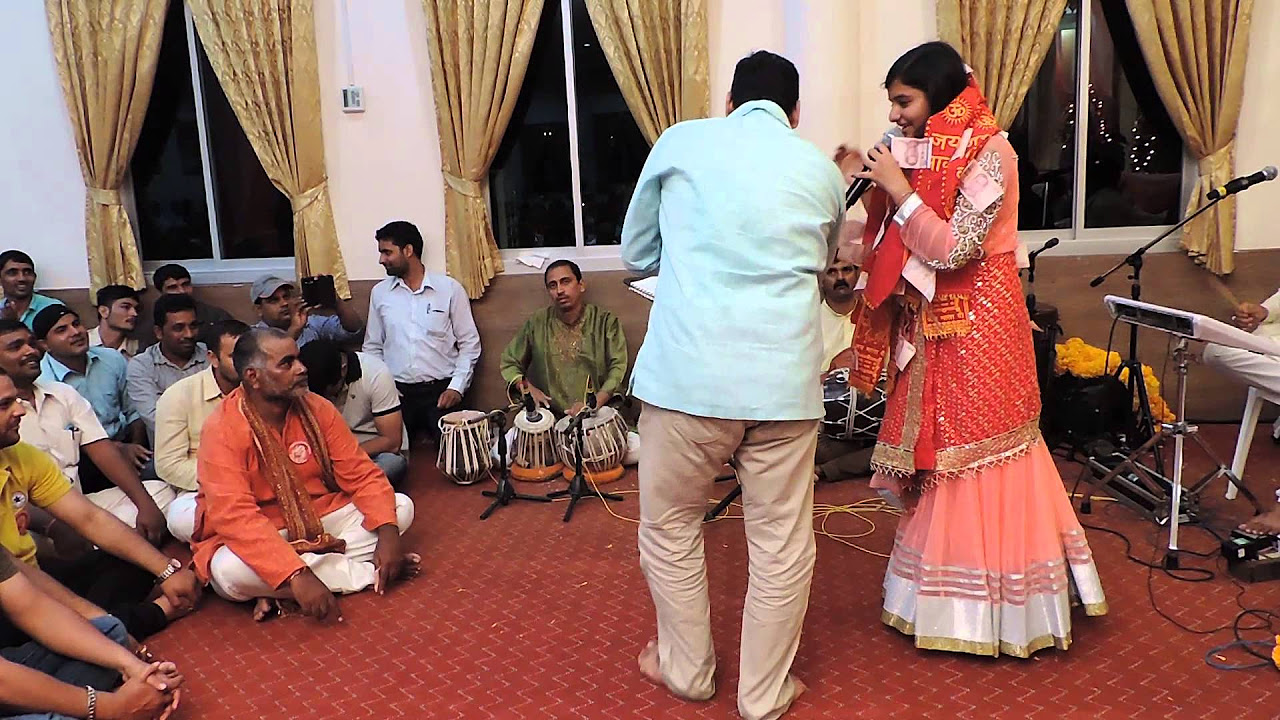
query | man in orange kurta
[269, 434]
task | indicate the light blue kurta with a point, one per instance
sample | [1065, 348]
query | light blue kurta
[740, 215]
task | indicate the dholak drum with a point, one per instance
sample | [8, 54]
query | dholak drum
[848, 415]
[604, 444]
[465, 442]
[534, 456]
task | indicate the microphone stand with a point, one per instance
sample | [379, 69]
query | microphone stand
[1145, 426]
[578, 486]
[506, 491]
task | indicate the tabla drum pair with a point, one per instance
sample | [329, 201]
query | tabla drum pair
[849, 415]
[604, 445]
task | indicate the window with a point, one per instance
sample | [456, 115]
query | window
[1093, 91]
[571, 155]
[192, 156]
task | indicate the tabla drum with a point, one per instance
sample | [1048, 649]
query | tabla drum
[604, 444]
[534, 457]
[848, 415]
[465, 439]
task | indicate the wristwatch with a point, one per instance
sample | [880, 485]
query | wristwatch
[174, 566]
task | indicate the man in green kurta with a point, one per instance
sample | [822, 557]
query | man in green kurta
[564, 350]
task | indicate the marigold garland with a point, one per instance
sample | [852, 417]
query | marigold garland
[1078, 358]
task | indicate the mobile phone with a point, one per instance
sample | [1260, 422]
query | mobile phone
[318, 291]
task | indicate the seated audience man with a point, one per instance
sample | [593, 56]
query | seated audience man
[281, 307]
[568, 348]
[119, 576]
[180, 415]
[18, 281]
[1252, 369]
[178, 354]
[117, 307]
[99, 374]
[73, 667]
[837, 459]
[420, 325]
[361, 388]
[289, 506]
[173, 279]
[59, 421]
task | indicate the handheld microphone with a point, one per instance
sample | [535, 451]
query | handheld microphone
[1243, 182]
[860, 186]
[1052, 243]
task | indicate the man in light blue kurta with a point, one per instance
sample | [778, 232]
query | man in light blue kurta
[739, 215]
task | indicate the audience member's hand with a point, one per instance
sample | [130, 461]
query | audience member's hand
[8, 311]
[134, 453]
[162, 676]
[850, 161]
[151, 524]
[539, 397]
[299, 313]
[449, 398]
[1249, 316]
[388, 558]
[314, 597]
[135, 700]
[182, 589]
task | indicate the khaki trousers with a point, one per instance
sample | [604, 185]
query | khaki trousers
[679, 458]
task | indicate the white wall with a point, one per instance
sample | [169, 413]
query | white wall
[384, 163]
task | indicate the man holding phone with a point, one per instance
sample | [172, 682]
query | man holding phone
[280, 306]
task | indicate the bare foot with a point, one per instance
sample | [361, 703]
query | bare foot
[263, 609]
[412, 566]
[1268, 523]
[649, 664]
[800, 687]
[171, 612]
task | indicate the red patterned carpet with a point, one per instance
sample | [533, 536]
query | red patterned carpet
[523, 616]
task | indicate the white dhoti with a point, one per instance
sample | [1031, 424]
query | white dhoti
[115, 502]
[347, 572]
[181, 516]
[1247, 368]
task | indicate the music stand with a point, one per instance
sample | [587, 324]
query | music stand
[506, 491]
[1184, 326]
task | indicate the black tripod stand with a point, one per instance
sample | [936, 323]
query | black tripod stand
[1144, 427]
[724, 504]
[578, 486]
[506, 492]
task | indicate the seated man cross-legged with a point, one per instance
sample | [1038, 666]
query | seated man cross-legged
[361, 387]
[289, 506]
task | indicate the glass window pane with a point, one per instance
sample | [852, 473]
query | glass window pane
[1043, 134]
[168, 179]
[611, 148]
[255, 220]
[1133, 170]
[530, 181]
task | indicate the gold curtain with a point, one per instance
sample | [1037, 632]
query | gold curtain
[106, 54]
[1196, 54]
[264, 54]
[479, 52]
[657, 50]
[1004, 41]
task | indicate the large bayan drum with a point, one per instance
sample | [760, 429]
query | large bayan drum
[604, 444]
[534, 455]
[850, 416]
[465, 442]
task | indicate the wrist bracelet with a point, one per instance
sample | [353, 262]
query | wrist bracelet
[170, 571]
[93, 702]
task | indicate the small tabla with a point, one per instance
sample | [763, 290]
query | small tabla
[604, 444]
[534, 455]
[850, 416]
[465, 441]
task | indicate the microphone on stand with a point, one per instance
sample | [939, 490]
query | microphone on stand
[1243, 183]
[530, 408]
[1052, 243]
[860, 186]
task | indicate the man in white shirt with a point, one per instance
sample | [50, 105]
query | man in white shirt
[1259, 371]
[361, 388]
[420, 325]
[62, 423]
[839, 459]
[117, 319]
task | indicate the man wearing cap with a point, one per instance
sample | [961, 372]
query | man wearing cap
[280, 307]
[99, 374]
[117, 307]
[178, 354]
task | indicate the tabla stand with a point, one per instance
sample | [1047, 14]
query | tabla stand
[506, 491]
[578, 486]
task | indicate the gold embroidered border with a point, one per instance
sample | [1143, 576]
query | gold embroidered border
[990, 649]
[948, 316]
[964, 459]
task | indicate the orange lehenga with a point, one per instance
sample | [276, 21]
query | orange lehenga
[990, 554]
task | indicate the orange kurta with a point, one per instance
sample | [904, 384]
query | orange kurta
[236, 505]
